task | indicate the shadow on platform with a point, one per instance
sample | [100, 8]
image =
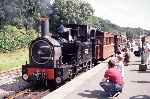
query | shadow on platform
[147, 71]
[133, 64]
[134, 61]
[141, 81]
[98, 94]
[135, 70]
[140, 97]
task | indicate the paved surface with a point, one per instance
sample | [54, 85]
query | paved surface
[86, 86]
[137, 84]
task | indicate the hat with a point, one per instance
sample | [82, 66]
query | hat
[112, 62]
[120, 57]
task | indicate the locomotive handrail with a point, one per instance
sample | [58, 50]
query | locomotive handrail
[44, 46]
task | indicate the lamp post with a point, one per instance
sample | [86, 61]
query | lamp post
[142, 66]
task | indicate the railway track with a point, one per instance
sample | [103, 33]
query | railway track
[11, 74]
[11, 82]
[29, 94]
[16, 70]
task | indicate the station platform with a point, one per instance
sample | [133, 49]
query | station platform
[86, 85]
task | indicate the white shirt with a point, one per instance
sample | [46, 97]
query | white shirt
[120, 67]
[147, 48]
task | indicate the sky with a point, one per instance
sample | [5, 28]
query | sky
[125, 13]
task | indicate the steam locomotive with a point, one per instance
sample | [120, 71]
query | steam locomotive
[54, 59]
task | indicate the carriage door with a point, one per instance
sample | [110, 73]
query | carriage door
[98, 49]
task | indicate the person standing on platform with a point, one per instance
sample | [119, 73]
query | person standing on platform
[147, 53]
[126, 56]
[129, 45]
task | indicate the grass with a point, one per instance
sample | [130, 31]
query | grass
[12, 60]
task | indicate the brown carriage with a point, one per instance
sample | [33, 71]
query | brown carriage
[104, 45]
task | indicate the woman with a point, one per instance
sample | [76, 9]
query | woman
[126, 57]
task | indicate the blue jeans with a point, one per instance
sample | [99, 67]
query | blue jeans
[111, 88]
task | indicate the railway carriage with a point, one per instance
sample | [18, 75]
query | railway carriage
[104, 45]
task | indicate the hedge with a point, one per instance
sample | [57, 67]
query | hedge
[13, 38]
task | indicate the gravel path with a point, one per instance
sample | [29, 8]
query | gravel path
[11, 82]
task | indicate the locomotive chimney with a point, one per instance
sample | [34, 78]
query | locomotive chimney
[44, 26]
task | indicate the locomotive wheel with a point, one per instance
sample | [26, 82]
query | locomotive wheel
[75, 72]
[95, 62]
[84, 67]
[71, 75]
[51, 85]
[90, 64]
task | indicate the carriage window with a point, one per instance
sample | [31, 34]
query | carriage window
[107, 40]
[96, 41]
[99, 42]
[104, 41]
[110, 40]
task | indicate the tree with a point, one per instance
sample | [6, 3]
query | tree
[73, 11]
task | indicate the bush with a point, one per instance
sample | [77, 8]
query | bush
[13, 38]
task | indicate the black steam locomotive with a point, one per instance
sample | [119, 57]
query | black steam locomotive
[56, 58]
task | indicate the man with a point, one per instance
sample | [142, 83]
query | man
[113, 81]
[147, 53]
[129, 45]
[64, 32]
[61, 29]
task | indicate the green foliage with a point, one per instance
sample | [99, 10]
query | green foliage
[73, 11]
[12, 38]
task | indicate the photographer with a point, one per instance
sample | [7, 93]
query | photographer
[113, 81]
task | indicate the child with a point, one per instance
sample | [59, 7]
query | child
[120, 64]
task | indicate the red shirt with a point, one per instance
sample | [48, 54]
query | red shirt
[114, 75]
